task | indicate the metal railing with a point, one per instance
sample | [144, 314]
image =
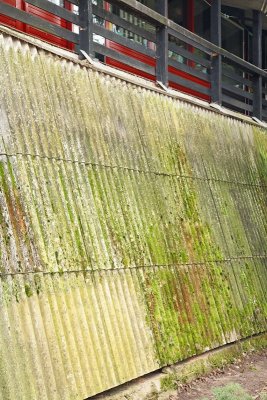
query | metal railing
[153, 46]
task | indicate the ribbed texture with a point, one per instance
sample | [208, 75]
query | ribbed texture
[133, 228]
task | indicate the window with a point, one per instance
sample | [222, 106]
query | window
[202, 19]
[264, 50]
[58, 2]
[177, 11]
[232, 37]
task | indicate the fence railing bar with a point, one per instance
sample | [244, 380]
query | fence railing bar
[132, 62]
[237, 78]
[189, 84]
[189, 70]
[186, 34]
[189, 55]
[204, 45]
[74, 2]
[242, 106]
[215, 71]
[142, 11]
[189, 41]
[38, 23]
[238, 91]
[55, 10]
[116, 20]
[106, 33]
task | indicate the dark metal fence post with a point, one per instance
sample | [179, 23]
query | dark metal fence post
[86, 26]
[162, 45]
[216, 38]
[257, 60]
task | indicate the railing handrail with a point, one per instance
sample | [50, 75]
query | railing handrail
[159, 20]
[215, 49]
[208, 82]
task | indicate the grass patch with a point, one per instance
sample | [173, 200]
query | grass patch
[233, 391]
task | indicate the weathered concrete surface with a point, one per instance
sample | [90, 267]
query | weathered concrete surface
[133, 228]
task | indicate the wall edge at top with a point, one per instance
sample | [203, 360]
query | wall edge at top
[125, 76]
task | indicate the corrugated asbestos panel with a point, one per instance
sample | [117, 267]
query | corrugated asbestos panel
[133, 228]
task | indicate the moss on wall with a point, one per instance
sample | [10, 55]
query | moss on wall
[133, 228]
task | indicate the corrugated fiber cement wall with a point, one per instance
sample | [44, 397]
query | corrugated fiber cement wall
[133, 228]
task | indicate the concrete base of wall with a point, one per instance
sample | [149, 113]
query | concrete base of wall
[161, 384]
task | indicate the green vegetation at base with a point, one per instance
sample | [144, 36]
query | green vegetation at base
[201, 366]
[233, 391]
[169, 382]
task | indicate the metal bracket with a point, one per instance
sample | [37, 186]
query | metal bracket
[261, 123]
[163, 86]
[219, 108]
[88, 58]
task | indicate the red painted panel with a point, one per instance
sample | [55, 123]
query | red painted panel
[150, 61]
[9, 21]
[51, 18]
[5, 20]
[22, 5]
[186, 90]
[132, 54]
[189, 77]
[125, 67]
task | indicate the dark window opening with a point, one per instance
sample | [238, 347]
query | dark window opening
[202, 19]
[264, 50]
[177, 11]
